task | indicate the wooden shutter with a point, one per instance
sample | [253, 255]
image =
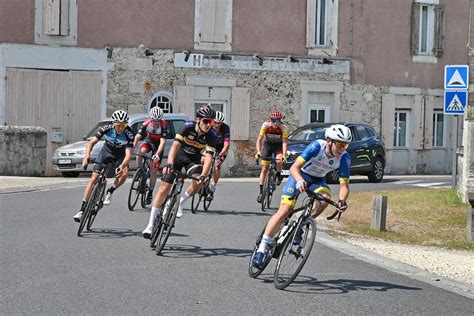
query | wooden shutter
[388, 119]
[240, 114]
[213, 21]
[51, 13]
[64, 18]
[184, 100]
[415, 28]
[438, 45]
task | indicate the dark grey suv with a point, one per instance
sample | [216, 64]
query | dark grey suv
[366, 149]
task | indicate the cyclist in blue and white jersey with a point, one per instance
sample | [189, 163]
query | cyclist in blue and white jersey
[309, 171]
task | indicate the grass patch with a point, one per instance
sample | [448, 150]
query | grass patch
[428, 217]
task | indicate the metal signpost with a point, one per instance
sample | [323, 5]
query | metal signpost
[456, 83]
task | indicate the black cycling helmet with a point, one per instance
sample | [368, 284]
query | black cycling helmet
[205, 112]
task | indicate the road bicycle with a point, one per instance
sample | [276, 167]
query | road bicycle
[96, 199]
[293, 243]
[164, 221]
[140, 184]
[269, 183]
[204, 194]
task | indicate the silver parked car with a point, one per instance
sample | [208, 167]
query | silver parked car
[68, 158]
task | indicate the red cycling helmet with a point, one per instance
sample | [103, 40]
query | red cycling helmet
[276, 114]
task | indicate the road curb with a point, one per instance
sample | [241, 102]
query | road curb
[360, 253]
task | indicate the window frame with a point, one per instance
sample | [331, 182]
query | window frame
[437, 114]
[396, 127]
[315, 47]
[320, 107]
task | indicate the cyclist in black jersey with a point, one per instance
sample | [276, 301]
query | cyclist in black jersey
[118, 149]
[194, 138]
[222, 148]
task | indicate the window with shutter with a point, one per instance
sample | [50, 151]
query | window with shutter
[427, 30]
[321, 33]
[56, 22]
[213, 25]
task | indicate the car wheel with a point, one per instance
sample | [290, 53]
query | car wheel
[377, 172]
[70, 174]
[332, 177]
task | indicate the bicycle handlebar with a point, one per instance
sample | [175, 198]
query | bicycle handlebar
[320, 197]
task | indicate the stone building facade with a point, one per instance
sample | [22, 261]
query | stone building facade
[344, 60]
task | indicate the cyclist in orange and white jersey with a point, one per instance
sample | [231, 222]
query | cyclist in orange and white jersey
[274, 136]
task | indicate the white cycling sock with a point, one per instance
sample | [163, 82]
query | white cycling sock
[154, 212]
[184, 198]
[266, 240]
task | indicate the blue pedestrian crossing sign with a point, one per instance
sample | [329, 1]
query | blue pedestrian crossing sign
[455, 102]
[456, 77]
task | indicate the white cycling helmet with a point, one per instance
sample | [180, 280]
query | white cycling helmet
[220, 117]
[156, 114]
[339, 133]
[120, 116]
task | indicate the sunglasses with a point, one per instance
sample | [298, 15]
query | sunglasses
[341, 145]
[208, 121]
[121, 125]
[276, 120]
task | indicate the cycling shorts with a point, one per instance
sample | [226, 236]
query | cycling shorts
[150, 145]
[315, 184]
[270, 149]
[105, 156]
[182, 160]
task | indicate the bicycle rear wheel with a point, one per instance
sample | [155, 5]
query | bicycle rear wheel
[254, 271]
[205, 202]
[97, 197]
[135, 189]
[293, 257]
[169, 218]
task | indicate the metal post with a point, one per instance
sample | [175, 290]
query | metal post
[379, 213]
[454, 170]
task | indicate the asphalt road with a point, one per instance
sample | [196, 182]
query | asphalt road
[46, 269]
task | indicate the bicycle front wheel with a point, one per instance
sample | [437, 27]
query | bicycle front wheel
[158, 222]
[195, 201]
[295, 252]
[169, 218]
[207, 202]
[97, 197]
[87, 211]
[135, 189]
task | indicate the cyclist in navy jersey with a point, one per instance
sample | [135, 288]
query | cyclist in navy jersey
[222, 148]
[193, 139]
[309, 171]
[117, 148]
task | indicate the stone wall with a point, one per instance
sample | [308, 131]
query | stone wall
[22, 151]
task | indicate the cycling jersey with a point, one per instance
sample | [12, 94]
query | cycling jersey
[114, 147]
[113, 141]
[153, 134]
[318, 164]
[193, 144]
[273, 134]
[223, 136]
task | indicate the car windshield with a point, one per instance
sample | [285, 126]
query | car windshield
[94, 131]
[308, 134]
